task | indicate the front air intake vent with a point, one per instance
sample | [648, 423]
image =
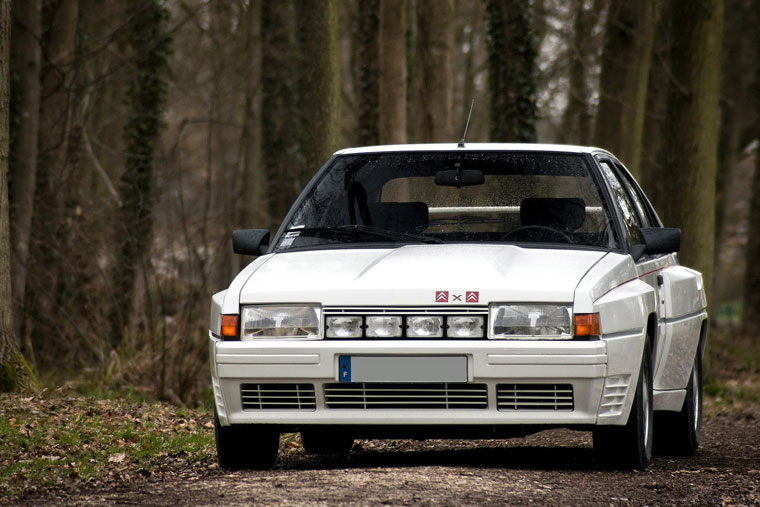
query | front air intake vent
[535, 396]
[278, 396]
[365, 395]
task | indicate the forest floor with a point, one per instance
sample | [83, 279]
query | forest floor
[61, 448]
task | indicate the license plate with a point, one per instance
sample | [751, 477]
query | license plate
[402, 369]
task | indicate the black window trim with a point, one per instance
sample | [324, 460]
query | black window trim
[591, 162]
[635, 200]
[626, 242]
[648, 208]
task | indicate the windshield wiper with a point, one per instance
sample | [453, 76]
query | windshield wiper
[361, 232]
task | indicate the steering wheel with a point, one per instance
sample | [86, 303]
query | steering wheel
[546, 228]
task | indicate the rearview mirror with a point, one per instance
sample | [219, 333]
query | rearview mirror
[250, 241]
[459, 178]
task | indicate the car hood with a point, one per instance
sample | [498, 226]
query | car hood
[419, 275]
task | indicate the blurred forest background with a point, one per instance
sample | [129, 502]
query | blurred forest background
[138, 134]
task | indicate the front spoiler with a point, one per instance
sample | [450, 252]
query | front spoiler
[583, 364]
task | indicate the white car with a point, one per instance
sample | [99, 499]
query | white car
[486, 291]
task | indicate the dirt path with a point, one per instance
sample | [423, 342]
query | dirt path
[549, 468]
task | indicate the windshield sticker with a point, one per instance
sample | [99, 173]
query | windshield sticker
[289, 238]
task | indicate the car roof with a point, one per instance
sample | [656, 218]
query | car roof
[534, 147]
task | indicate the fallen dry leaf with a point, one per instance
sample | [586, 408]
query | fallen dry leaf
[117, 458]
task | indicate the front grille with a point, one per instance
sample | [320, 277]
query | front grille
[534, 396]
[278, 396]
[365, 395]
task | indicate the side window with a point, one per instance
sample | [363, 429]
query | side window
[647, 212]
[637, 199]
[631, 220]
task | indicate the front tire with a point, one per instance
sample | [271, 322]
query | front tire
[679, 433]
[246, 446]
[630, 446]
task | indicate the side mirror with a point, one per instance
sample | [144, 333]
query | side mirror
[250, 241]
[661, 240]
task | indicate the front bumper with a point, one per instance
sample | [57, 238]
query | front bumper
[602, 388]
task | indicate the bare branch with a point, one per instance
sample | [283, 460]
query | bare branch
[99, 168]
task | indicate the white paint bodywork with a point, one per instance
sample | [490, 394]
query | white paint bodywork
[600, 371]
[654, 296]
[410, 275]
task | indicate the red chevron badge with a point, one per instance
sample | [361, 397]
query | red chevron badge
[472, 296]
[441, 296]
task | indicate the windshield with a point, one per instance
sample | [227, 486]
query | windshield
[452, 197]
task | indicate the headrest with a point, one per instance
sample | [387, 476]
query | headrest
[565, 213]
[408, 217]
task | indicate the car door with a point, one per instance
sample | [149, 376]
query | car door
[680, 296]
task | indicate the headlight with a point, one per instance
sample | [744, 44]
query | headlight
[265, 322]
[465, 326]
[344, 327]
[383, 327]
[424, 327]
[530, 321]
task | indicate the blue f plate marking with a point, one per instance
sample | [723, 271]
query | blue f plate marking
[344, 368]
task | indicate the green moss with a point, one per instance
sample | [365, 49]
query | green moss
[15, 374]
[8, 380]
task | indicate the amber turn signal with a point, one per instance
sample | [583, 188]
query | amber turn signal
[230, 326]
[587, 324]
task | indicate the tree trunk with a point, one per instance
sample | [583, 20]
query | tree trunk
[244, 199]
[149, 42]
[690, 149]
[392, 87]
[651, 170]
[46, 262]
[751, 313]
[14, 371]
[433, 78]
[279, 118]
[234, 175]
[577, 119]
[512, 70]
[25, 55]
[368, 85]
[250, 206]
[739, 56]
[623, 82]
[540, 16]
[319, 81]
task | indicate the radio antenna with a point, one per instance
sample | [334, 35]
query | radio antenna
[461, 141]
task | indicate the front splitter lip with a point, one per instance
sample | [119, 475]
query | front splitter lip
[399, 417]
